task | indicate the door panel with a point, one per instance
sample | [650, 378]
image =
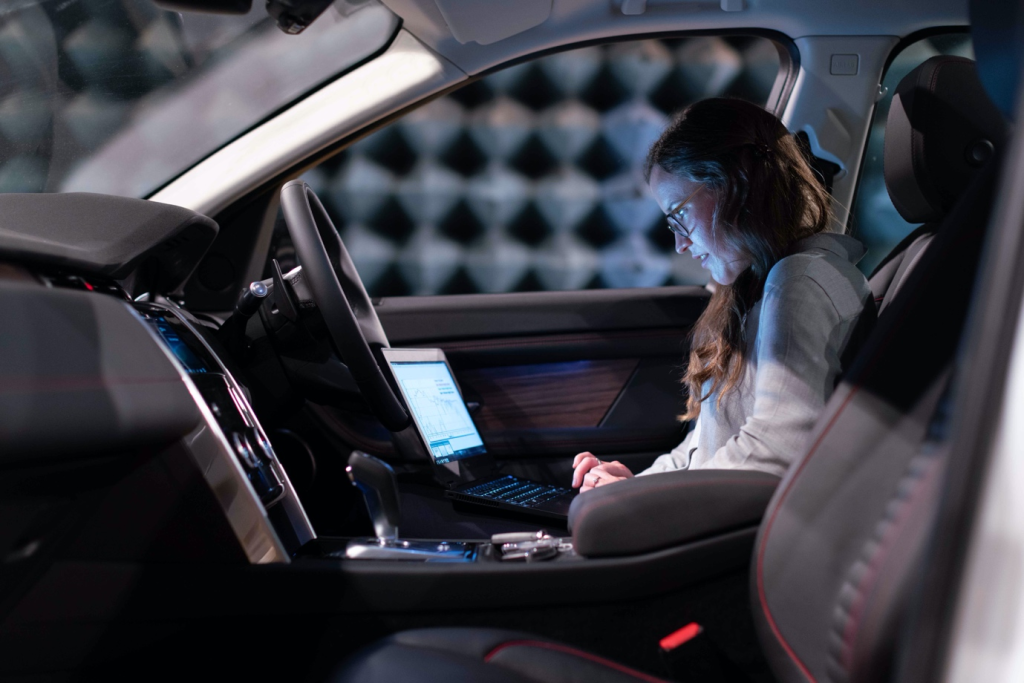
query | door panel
[652, 399]
[555, 373]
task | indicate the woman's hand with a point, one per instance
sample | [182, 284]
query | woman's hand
[590, 472]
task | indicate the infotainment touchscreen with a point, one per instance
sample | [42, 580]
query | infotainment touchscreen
[438, 409]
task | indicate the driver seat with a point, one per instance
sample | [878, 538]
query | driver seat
[840, 545]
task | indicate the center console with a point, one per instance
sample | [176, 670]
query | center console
[253, 489]
[376, 480]
[633, 531]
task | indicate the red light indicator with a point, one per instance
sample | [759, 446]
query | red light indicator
[683, 635]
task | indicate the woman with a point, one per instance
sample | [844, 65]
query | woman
[765, 354]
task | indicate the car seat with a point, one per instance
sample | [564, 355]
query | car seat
[941, 130]
[840, 544]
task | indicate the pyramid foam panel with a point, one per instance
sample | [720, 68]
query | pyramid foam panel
[531, 178]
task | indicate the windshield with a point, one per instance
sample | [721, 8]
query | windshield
[119, 96]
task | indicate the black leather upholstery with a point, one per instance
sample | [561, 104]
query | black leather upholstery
[888, 275]
[82, 376]
[484, 656]
[836, 505]
[859, 501]
[941, 129]
[645, 514]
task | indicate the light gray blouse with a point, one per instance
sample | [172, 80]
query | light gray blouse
[795, 336]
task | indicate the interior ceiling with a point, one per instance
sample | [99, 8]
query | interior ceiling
[572, 21]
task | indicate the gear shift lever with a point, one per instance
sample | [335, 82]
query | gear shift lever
[376, 480]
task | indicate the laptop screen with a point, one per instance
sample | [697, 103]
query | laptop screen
[438, 409]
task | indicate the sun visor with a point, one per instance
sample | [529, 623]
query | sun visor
[105, 235]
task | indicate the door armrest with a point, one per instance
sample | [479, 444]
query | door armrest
[659, 511]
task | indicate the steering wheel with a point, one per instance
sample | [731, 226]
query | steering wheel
[351, 322]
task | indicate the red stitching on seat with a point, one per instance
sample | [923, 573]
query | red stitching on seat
[912, 300]
[764, 538]
[565, 649]
[867, 582]
[787, 486]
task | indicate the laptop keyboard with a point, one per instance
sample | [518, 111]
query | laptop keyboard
[509, 489]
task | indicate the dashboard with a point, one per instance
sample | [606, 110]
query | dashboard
[231, 447]
[83, 355]
[228, 443]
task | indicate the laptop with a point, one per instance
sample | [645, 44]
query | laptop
[461, 461]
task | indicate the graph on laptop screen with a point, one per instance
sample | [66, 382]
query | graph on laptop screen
[439, 410]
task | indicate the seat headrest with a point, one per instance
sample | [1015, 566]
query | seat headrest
[942, 129]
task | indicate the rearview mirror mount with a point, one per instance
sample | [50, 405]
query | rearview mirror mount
[291, 16]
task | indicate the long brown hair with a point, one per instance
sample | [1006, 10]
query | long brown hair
[767, 198]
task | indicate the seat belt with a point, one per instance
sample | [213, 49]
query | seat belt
[861, 331]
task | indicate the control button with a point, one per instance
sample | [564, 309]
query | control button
[244, 450]
[979, 152]
[258, 289]
[251, 300]
[257, 465]
[261, 442]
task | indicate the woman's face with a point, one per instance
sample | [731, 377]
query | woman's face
[724, 260]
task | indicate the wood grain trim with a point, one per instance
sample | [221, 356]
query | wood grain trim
[546, 395]
[559, 348]
[612, 337]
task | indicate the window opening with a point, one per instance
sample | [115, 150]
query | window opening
[530, 178]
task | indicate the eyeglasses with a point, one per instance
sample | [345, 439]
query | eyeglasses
[675, 220]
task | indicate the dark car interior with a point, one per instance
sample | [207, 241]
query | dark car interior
[177, 469]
